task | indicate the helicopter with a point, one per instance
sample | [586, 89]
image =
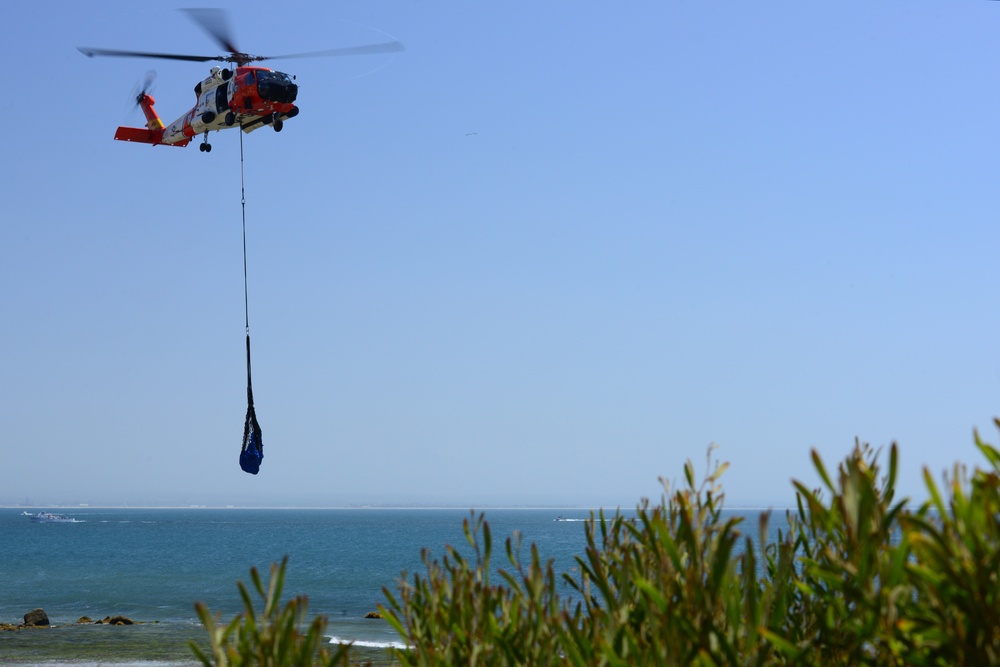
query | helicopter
[244, 96]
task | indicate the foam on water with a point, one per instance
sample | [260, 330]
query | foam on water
[368, 644]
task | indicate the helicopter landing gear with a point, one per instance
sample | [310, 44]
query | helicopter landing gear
[276, 122]
[230, 119]
[204, 146]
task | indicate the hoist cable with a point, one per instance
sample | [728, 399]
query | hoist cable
[252, 451]
[243, 205]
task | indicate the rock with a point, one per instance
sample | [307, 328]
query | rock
[373, 614]
[116, 620]
[84, 619]
[36, 617]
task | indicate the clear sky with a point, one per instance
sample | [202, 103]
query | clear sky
[545, 255]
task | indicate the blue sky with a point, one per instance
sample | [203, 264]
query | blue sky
[545, 255]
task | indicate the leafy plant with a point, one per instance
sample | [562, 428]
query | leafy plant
[858, 579]
[270, 638]
[662, 588]
[455, 615]
[956, 566]
[852, 588]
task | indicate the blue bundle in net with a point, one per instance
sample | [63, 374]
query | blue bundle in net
[252, 452]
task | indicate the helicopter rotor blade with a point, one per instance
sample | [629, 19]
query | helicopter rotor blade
[90, 53]
[147, 83]
[216, 24]
[369, 49]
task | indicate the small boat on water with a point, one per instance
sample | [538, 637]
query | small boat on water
[49, 517]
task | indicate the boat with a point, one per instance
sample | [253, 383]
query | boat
[49, 517]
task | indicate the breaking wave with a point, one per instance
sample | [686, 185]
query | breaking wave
[368, 644]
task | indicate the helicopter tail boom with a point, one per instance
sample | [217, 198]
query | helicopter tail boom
[153, 132]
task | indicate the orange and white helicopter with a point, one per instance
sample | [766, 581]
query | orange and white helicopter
[244, 97]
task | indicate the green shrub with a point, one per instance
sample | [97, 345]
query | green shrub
[271, 638]
[858, 579]
[851, 584]
[955, 567]
[663, 588]
[455, 615]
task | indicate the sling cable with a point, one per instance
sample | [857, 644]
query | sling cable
[252, 452]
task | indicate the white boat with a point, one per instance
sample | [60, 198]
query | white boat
[49, 517]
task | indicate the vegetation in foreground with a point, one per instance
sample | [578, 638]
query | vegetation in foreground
[271, 638]
[858, 579]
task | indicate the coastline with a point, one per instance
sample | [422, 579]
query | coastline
[145, 644]
[373, 507]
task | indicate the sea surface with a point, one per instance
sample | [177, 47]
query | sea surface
[152, 565]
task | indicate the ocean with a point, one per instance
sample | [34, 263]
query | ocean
[152, 565]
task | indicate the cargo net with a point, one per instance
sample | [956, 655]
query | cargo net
[253, 447]
[252, 452]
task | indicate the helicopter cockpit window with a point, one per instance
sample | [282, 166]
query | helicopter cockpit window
[276, 86]
[222, 98]
[277, 77]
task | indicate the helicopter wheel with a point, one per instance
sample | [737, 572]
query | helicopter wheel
[230, 119]
[205, 148]
[277, 123]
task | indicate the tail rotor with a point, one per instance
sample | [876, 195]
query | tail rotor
[142, 88]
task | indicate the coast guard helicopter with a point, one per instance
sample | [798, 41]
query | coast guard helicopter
[245, 97]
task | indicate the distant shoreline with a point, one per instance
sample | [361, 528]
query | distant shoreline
[466, 508]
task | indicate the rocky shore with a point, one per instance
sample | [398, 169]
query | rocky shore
[37, 618]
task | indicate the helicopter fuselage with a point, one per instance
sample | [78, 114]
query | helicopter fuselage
[247, 98]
